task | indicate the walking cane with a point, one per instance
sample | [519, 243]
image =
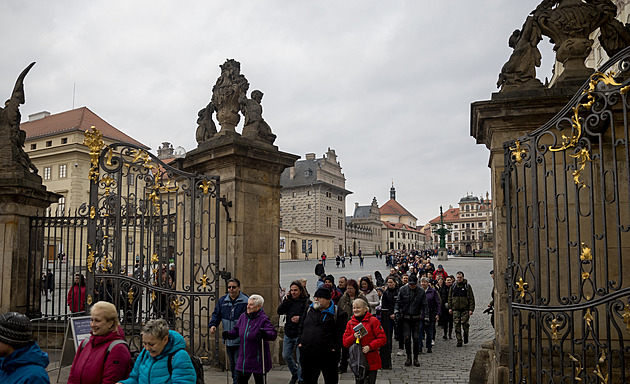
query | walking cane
[262, 346]
[227, 366]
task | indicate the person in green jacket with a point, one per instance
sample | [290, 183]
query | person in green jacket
[461, 304]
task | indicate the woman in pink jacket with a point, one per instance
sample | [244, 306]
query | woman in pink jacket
[104, 357]
[76, 294]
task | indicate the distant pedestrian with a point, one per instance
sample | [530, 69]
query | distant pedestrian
[320, 339]
[410, 303]
[461, 304]
[76, 294]
[370, 341]
[50, 281]
[319, 268]
[361, 258]
[227, 312]
[324, 259]
[21, 359]
[343, 261]
[293, 306]
[255, 331]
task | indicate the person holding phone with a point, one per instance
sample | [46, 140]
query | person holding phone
[366, 328]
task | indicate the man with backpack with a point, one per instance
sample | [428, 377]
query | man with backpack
[461, 304]
[320, 338]
[227, 311]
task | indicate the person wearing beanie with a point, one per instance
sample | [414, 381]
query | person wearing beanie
[320, 338]
[21, 359]
[409, 307]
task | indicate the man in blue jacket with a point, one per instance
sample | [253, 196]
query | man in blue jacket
[227, 311]
[21, 360]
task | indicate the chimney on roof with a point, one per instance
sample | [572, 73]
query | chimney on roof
[310, 156]
[165, 151]
[38, 116]
[292, 172]
[356, 205]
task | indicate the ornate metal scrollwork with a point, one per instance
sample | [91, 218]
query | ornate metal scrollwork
[94, 141]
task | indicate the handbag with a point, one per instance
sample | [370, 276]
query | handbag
[357, 361]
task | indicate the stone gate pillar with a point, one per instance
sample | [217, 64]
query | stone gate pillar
[22, 195]
[19, 201]
[249, 174]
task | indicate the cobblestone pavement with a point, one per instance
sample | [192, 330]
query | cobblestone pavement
[447, 363]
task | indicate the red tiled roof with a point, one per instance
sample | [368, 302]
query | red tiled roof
[451, 214]
[399, 226]
[80, 119]
[392, 207]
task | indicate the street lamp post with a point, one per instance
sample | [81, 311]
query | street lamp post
[442, 232]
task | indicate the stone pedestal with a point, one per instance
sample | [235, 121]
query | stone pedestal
[494, 122]
[442, 254]
[20, 199]
[249, 174]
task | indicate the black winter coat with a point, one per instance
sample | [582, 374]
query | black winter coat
[388, 300]
[319, 332]
[410, 302]
[293, 307]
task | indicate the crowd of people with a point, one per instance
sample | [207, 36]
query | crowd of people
[320, 330]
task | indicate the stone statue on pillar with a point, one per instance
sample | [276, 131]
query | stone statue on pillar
[15, 160]
[230, 87]
[255, 126]
[568, 24]
[229, 97]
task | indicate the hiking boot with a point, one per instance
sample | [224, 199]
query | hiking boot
[459, 343]
[445, 337]
[408, 362]
[465, 338]
[416, 363]
[293, 380]
[429, 350]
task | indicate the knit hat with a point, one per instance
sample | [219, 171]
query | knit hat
[15, 329]
[330, 278]
[323, 293]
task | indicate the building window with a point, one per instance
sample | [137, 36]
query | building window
[62, 205]
[64, 140]
[309, 206]
[340, 224]
[328, 194]
[49, 143]
[455, 226]
[328, 208]
[33, 146]
[391, 233]
[340, 198]
[456, 238]
[62, 171]
[47, 173]
[308, 193]
[171, 203]
[472, 225]
[329, 222]
[293, 194]
[294, 207]
[340, 210]
[131, 179]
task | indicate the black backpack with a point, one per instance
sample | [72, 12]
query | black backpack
[196, 362]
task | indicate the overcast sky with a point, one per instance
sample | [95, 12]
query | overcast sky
[387, 84]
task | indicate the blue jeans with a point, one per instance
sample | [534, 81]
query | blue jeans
[289, 344]
[426, 327]
[233, 356]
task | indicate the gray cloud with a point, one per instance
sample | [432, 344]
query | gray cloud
[387, 84]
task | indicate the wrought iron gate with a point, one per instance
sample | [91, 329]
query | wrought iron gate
[567, 198]
[147, 241]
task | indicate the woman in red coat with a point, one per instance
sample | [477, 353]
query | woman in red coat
[76, 294]
[93, 364]
[371, 342]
